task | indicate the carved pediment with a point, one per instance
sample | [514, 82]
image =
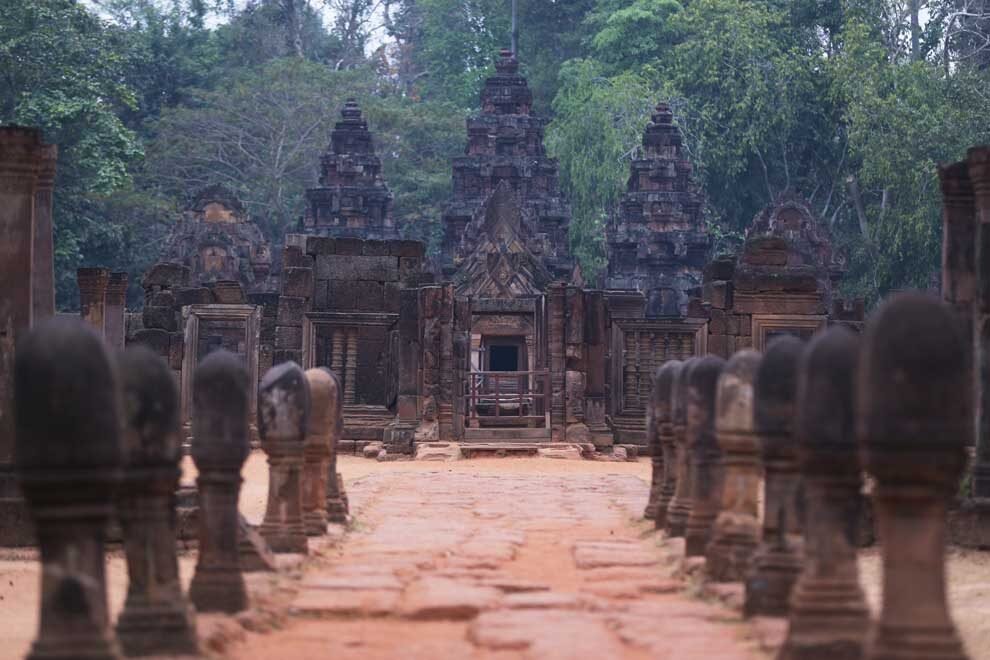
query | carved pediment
[498, 262]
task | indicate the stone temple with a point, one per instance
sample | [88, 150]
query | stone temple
[496, 341]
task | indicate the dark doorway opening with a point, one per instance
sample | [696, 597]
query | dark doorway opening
[503, 358]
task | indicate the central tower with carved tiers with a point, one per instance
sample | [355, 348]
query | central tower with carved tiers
[505, 143]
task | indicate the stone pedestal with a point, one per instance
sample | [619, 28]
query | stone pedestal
[915, 414]
[221, 388]
[283, 413]
[705, 455]
[116, 305]
[324, 403]
[68, 459]
[736, 531]
[777, 561]
[157, 618]
[829, 617]
[680, 504]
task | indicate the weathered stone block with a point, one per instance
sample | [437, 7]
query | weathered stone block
[719, 323]
[268, 303]
[743, 325]
[721, 268]
[166, 275]
[266, 329]
[375, 249]
[294, 257]
[719, 294]
[409, 266]
[176, 350]
[199, 295]
[163, 318]
[794, 304]
[792, 279]
[297, 282]
[291, 310]
[228, 292]
[391, 303]
[154, 338]
[164, 298]
[321, 295]
[347, 267]
[288, 337]
[320, 245]
[350, 246]
[407, 249]
[718, 344]
[283, 355]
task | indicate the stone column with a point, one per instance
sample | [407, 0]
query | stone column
[596, 336]
[116, 305]
[43, 259]
[558, 366]
[19, 149]
[316, 451]
[705, 454]
[337, 351]
[736, 531]
[283, 413]
[157, 619]
[829, 616]
[979, 176]
[221, 387]
[398, 436]
[93, 296]
[660, 433]
[337, 507]
[776, 563]
[68, 458]
[915, 414]
[680, 504]
[350, 367]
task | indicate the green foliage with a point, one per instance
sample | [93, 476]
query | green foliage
[629, 35]
[599, 124]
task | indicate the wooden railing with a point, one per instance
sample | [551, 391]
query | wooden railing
[511, 394]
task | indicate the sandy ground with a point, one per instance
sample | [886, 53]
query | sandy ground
[969, 572]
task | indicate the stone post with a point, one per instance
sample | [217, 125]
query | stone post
[116, 305]
[556, 321]
[979, 176]
[157, 618]
[219, 448]
[19, 150]
[316, 451]
[828, 617]
[596, 337]
[776, 563]
[737, 529]
[680, 504]
[43, 259]
[660, 435]
[68, 459]
[283, 413]
[914, 416]
[705, 454]
[93, 296]
[337, 507]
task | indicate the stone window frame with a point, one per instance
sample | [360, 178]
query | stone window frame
[191, 316]
[765, 323]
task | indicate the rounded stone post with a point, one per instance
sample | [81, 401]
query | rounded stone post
[68, 458]
[915, 406]
[656, 453]
[219, 449]
[156, 618]
[706, 480]
[776, 563]
[829, 617]
[283, 412]
[737, 529]
[316, 451]
[663, 420]
[680, 504]
[337, 508]
[116, 304]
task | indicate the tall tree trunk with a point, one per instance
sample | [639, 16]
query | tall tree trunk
[293, 32]
[915, 10]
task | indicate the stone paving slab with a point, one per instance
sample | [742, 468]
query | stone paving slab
[454, 564]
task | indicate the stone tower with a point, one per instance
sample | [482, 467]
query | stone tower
[218, 241]
[505, 143]
[656, 239]
[352, 199]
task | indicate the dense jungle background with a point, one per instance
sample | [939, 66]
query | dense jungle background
[852, 102]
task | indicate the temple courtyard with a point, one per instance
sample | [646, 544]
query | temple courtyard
[485, 558]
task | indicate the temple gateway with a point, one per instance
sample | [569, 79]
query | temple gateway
[496, 342]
